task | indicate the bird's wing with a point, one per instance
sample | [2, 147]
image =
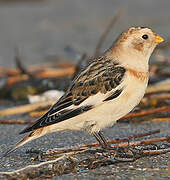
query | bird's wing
[102, 75]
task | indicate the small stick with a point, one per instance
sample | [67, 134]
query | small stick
[106, 32]
[158, 87]
[20, 66]
[113, 141]
[148, 141]
[155, 152]
[139, 135]
[146, 112]
[109, 141]
[15, 79]
[130, 115]
[26, 108]
[82, 149]
[9, 72]
[60, 72]
[15, 121]
[161, 119]
[34, 166]
[158, 96]
[37, 113]
[36, 69]
[47, 73]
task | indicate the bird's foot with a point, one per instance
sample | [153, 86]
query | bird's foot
[119, 154]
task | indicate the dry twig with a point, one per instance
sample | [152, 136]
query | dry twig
[113, 141]
[47, 73]
[146, 112]
[158, 87]
[34, 166]
[148, 141]
[20, 66]
[155, 152]
[162, 96]
[32, 107]
[161, 119]
[26, 108]
[16, 121]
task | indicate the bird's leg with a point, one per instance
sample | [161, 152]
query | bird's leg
[98, 138]
[104, 140]
[112, 151]
[101, 139]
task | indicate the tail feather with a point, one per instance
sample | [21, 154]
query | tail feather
[19, 144]
[33, 135]
[34, 126]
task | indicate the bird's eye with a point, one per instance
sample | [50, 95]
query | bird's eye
[145, 36]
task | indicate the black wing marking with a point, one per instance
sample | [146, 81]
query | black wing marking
[114, 95]
[61, 116]
[102, 75]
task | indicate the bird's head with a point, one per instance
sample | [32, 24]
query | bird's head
[137, 44]
[140, 39]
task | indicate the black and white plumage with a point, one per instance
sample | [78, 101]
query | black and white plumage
[102, 75]
[106, 90]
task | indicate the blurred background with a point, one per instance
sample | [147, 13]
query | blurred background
[41, 29]
[44, 44]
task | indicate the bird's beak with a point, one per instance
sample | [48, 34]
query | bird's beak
[158, 39]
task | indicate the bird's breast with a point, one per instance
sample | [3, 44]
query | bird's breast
[109, 112]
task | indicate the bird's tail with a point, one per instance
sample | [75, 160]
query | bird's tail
[33, 135]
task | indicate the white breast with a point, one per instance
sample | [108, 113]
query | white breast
[130, 97]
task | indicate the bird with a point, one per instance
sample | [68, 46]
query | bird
[108, 88]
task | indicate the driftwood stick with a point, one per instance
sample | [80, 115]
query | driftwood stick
[147, 112]
[158, 87]
[161, 96]
[16, 121]
[34, 166]
[20, 65]
[113, 141]
[37, 113]
[155, 152]
[161, 119]
[47, 73]
[148, 141]
[130, 115]
[9, 72]
[59, 72]
[83, 149]
[26, 108]
[32, 107]
[36, 69]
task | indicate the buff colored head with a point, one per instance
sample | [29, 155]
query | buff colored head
[140, 39]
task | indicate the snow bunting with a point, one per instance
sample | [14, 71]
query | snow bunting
[106, 90]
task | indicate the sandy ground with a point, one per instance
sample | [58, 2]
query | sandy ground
[155, 165]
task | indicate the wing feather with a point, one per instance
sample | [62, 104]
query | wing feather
[102, 75]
